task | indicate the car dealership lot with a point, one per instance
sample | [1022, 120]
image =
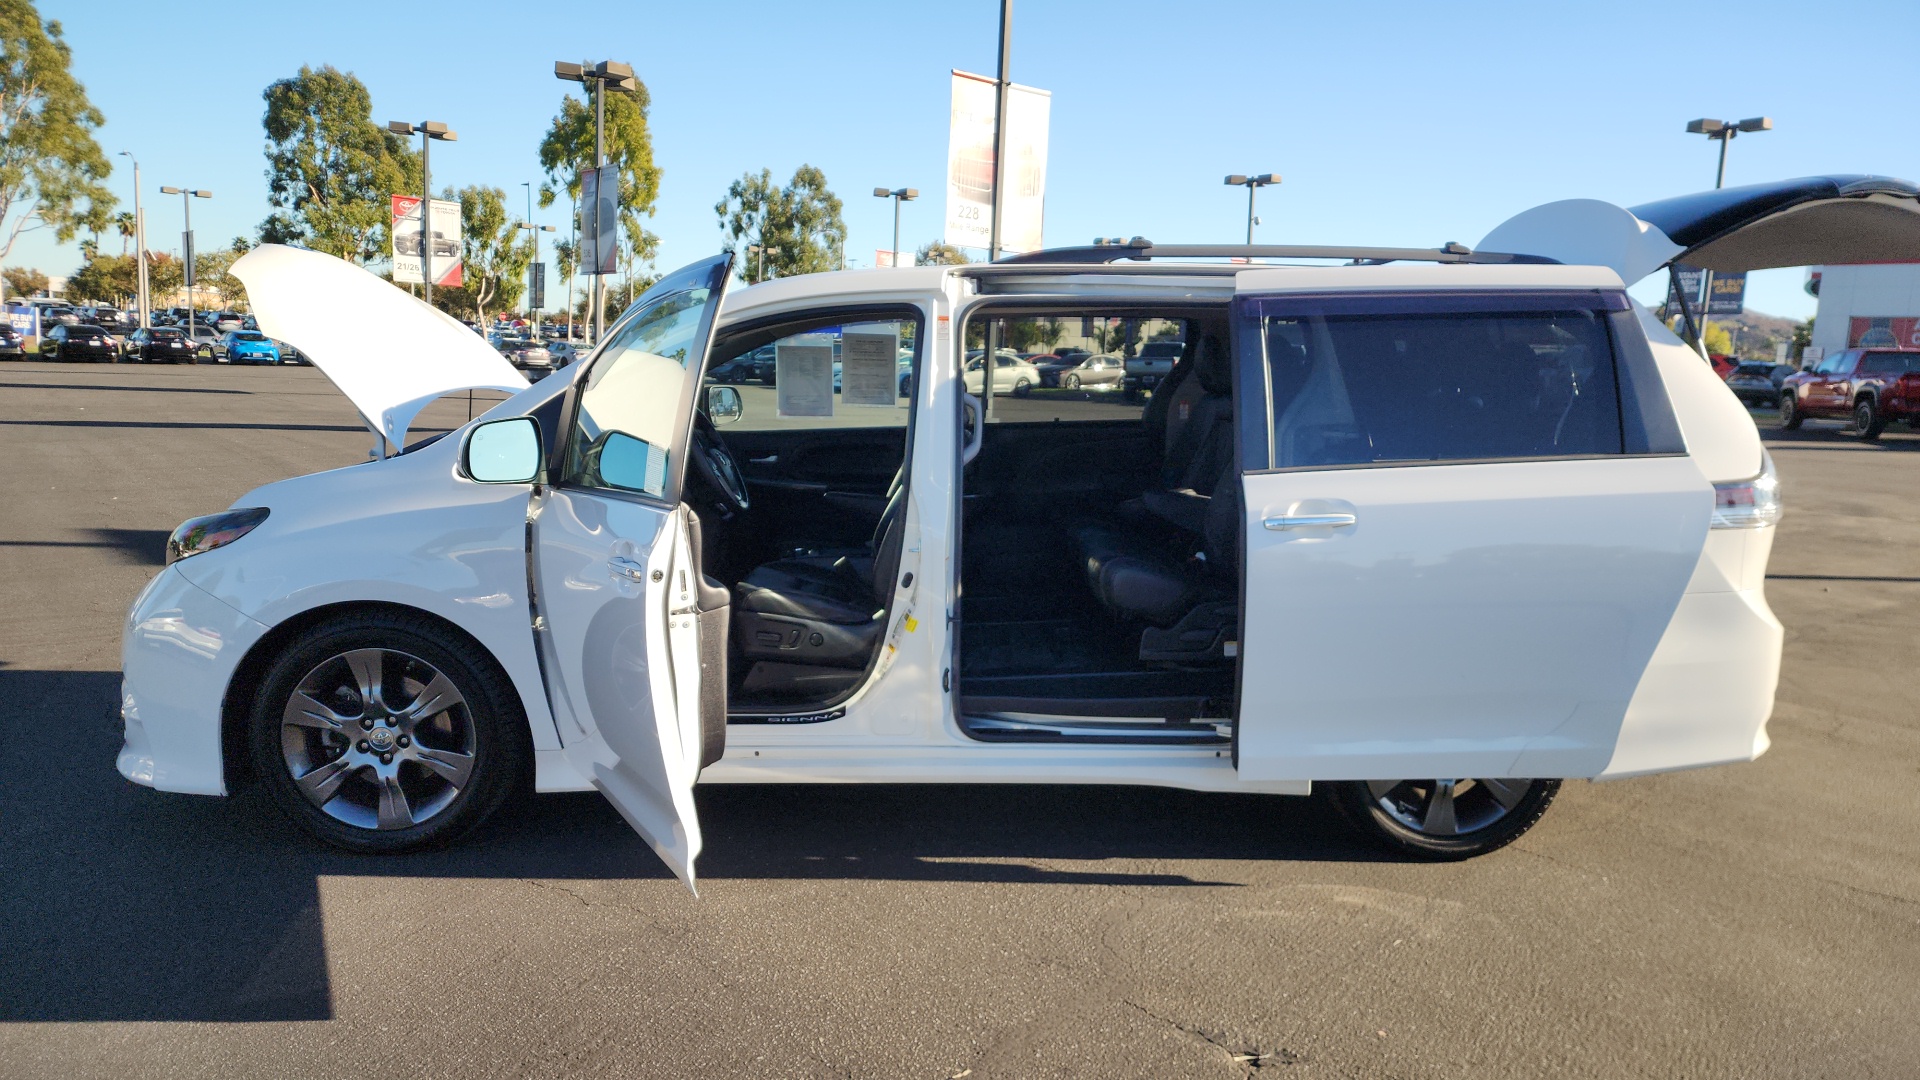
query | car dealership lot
[1754, 920]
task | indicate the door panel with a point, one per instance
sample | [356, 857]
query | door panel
[1471, 620]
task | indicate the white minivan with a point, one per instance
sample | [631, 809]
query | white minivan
[1427, 530]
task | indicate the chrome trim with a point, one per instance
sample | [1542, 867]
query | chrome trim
[1309, 521]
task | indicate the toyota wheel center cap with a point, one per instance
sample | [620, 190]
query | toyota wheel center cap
[380, 738]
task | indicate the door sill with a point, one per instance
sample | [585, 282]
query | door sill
[1076, 729]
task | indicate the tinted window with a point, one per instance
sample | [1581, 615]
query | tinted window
[1884, 363]
[1369, 389]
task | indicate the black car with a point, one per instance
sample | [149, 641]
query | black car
[80, 341]
[11, 347]
[160, 345]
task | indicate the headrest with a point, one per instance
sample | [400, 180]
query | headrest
[1213, 365]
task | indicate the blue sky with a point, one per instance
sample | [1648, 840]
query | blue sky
[1391, 123]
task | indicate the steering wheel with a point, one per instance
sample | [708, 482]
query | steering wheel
[715, 465]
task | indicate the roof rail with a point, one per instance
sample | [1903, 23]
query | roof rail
[1140, 248]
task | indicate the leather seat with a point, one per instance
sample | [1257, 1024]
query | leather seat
[823, 609]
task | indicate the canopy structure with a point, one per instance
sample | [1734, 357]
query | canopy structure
[388, 352]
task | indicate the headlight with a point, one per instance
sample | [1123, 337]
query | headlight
[1749, 504]
[196, 535]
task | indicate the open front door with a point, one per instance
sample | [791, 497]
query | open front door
[617, 583]
[1469, 522]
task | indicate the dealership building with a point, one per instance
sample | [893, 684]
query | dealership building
[1874, 305]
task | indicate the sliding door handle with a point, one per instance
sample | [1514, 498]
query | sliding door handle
[1309, 521]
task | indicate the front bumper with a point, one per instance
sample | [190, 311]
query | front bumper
[178, 652]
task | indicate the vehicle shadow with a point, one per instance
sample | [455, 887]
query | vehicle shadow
[140, 547]
[122, 903]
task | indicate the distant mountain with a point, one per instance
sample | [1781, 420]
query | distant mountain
[1755, 332]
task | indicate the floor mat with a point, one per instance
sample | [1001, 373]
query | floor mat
[1052, 646]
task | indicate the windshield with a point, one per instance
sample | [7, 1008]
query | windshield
[249, 336]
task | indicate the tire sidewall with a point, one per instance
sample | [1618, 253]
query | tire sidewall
[1357, 806]
[1790, 411]
[502, 751]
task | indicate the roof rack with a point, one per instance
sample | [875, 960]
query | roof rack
[1140, 249]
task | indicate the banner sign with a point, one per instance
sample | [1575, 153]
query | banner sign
[599, 238]
[1729, 290]
[883, 257]
[970, 165]
[186, 257]
[537, 288]
[445, 236]
[24, 319]
[1888, 333]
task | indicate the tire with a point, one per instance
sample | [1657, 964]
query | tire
[1867, 419]
[1790, 417]
[479, 744]
[1021, 387]
[1487, 815]
[1072, 382]
[906, 386]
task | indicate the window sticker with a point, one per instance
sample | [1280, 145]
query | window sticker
[803, 373]
[869, 361]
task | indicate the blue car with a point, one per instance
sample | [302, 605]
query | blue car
[249, 347]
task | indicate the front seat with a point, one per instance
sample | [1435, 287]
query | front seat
[819, 610]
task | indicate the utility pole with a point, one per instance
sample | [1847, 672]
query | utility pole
[187, 195]
[1000, 133]
[139, 240]
[604, 75]
[1722, 132]
[533, 266]
[429, 131]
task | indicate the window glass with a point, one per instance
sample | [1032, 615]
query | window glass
[1884, 363]
[867, 383]
[630, 402]
[1367, 389]
[1050, 368]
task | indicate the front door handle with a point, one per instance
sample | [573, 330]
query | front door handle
[1308, 521]
[627, 568]
[770, 459]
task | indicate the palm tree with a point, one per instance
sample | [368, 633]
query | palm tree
[124, 222]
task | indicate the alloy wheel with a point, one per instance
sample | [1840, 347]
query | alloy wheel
[1447, 808]
[378, 739]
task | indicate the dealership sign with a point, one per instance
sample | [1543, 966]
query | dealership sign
[970, 165]
[444, 237]
[600, 220]
[1867, 332]
[1729, 290]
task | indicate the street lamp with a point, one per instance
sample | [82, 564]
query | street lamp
[429, 131]
[533, 271]
[139, 237]
[1252, 184]
[187, 195]
[1724, 133]
[759, 253]
[898, 195]
[601, 76]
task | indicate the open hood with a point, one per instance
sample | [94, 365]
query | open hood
[1811, 221]
[388, 352]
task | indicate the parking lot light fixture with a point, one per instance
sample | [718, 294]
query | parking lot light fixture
[898, 195]
[187, 195]
[1252, 184]
[601, 76]
[430, 132]
[1722, 132]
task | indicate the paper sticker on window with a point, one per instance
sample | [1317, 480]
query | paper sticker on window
[869, 360]
[803, 373]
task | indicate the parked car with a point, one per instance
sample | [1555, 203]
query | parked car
[158, 345]
[1154, 361]
[249, 347]
[78, 341]
[1093, 372]
[740, 369]
[1871, 387]
[528, 355]
[105, 316]
[207, 342]
[565, 352]
[12, 347]
[226, 321]
[1011, 374]
[291, 355]
[60, 314]
[1537, 553]
[1757, 383]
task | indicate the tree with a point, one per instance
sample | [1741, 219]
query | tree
[1802, 337]
[52, 172]
[799, 224]
[567, 151]
[104, 277]
[213, 272]
[495, 252]
[331, 171]
[941, 253]
[1717, 340]
[22, 281]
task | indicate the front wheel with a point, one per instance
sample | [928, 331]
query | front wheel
[1442, 819]
[1790, 417]
[384, 733]
[1022, 387]
[1867, 419]
[1073, 382]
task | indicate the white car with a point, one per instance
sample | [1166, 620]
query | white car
[1012, 374]
[1428, 530]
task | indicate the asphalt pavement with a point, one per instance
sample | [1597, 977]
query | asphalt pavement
[1758, 920]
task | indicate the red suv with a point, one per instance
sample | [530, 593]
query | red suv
[1869, 386]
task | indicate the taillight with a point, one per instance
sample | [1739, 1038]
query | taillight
[1749, 504]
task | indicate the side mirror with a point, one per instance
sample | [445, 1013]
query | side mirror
[504, 451]
[724, 405]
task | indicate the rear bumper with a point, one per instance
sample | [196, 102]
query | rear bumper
[178, 652]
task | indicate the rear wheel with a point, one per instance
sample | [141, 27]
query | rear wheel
[1073, 382]
[1867, 419]
[1790, 417]
[383, 733]
[1021, 386]
[1442, 819]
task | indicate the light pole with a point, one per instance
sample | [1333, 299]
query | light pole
[603, 75]
[898, 195]
[532, 267]
[187, 195]
[999, 154]
[139, 238]
[760, 253]
[1252, 184]
[429, 131]
[1722, 132]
